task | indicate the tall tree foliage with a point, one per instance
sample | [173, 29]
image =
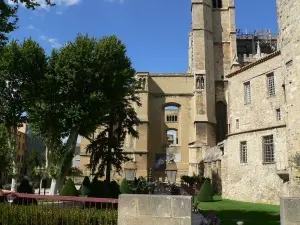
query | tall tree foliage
[21, 65]
[77, 94]
[107, 149]
[9, 18]
[5, 152]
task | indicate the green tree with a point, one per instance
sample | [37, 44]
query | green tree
[21, 66]
[77, 95]
[9, 18]
[106, 151]
[5, 152]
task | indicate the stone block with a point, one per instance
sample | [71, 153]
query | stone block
[289, 211]
[167, 221]
[136, 221]
[154, 205]
[181, 206]
[127, 206]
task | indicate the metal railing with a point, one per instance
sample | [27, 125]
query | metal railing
[30, 209]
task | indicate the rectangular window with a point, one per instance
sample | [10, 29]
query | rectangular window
[237, 122]
[247, 93]
[268, 149]
[217, 3]
[278, 114]
[271, 84]
[243, 152]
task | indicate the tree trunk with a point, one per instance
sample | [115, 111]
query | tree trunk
[109, 149]
[56, 185]
[12, 144]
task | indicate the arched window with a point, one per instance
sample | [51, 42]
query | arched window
[221, 116]
[217, 4]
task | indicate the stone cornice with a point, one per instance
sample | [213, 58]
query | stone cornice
[264, 59]
[257, 130]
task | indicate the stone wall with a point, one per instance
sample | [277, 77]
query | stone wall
[154, 210]
[289, 211]
[255, 180]
[288, 12]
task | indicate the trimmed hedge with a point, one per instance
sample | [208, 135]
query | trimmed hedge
[206, 192]
[99, 189]
[69, 189]
[124, 188]
[40, 215]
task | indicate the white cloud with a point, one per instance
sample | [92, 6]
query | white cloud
[120, 1]
[31, 27]
[59, 12]
[53, 41]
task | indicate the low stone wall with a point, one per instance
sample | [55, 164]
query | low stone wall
[154, 209]
[289, 211]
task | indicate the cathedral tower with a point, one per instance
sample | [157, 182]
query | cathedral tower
[211, 56]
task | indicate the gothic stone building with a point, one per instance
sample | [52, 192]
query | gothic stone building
[234, 115]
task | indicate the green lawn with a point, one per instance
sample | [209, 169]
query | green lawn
[232, 211]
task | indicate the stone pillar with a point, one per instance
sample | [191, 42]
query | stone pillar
[154, 210]
[288, 12]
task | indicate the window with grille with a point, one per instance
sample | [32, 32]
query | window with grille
[278, 114]
[247, 93]
[271, 84]
[243, 152]
[268, 149]
[217, 3]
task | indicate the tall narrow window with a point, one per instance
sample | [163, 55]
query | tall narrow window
[217, 3]
[278, 114]
[268, 149]
[243, 152]
[237, 123]
[271, 84]
[247, 93]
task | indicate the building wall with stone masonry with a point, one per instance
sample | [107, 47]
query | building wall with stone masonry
[288, 12]
[255, 181]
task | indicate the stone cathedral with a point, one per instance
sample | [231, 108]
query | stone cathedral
[234, 115]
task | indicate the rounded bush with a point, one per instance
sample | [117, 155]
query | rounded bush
[25, 187]
[206, 192]
[85, 187]
[69, 189]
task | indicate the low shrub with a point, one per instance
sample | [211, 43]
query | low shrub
[69, 189]
[115, 189]
[99, 189]
[38, 215]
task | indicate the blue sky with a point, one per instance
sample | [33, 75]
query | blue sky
[155, 32]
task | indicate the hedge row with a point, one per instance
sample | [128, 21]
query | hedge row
[48, 215]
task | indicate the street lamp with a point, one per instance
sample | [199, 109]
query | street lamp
[130, 170]
[171, 171]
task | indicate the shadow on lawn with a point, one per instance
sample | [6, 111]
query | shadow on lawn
[229, 217]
